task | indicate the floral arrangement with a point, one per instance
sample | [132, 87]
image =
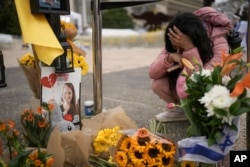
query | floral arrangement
[144, 148]
[132, 148]
[14, 152]
[102, 144]
[39, 158]
[216, 97]
[11, 143]
[106, 138]
[30, 66]
[37, 125]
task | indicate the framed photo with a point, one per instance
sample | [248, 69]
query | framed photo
[65, 89]
[50, 6]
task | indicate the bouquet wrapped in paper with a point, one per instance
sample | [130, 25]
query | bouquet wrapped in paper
[143, 148]
[31, 69]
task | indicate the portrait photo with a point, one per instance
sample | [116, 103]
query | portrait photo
[65, 89]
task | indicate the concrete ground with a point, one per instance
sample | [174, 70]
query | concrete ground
[125, 83]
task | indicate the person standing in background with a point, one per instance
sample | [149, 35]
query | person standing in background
[242, 25]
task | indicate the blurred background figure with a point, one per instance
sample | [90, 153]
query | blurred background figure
[242, 25]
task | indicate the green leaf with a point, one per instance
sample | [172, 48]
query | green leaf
[240, 111]
[233, 127]
[19, 160]
[193, 130]
[214, 121]
[220, 112]
[211, 140]
[215, 75]
[234, 107]
[233, 81]
[238, 50]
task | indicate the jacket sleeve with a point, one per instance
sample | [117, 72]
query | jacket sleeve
[159, 66]
[220, 44]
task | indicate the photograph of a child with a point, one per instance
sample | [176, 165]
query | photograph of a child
[50, 3]
[64, 88]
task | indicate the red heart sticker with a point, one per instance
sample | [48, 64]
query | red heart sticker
[49, 81]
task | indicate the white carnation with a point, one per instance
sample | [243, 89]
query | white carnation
[217, 97]
[206, 72]
[225, 79]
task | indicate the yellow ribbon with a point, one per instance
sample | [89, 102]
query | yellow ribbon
[37, 31]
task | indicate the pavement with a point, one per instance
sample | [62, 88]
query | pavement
[125, 83]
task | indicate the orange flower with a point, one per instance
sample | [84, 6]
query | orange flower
[142, 133]
[38, 163]
[15, 132]
[11, 124]
[30, 117]
[228, 62]
[2, 126]
[40, 110]
[50, 161]
[42, 124]
[240, 86]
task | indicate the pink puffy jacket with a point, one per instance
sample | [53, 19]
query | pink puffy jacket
[217, 25]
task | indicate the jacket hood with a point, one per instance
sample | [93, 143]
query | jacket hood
[216, 23]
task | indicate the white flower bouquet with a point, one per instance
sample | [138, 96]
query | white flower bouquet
[216, 99]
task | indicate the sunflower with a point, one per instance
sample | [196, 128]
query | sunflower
[121, 158]
[167, 161]
[188, 164]
[136, 145]
[151, 160]
[167, 149]
[136, 156]
[125, 144]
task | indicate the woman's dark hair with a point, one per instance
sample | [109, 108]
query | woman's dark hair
[192, 26]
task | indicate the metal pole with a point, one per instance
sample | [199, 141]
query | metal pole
[2, 71]
[248, 60]
[97, 56]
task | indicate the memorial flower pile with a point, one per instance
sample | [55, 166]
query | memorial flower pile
[39, 158]
[144, 148]
[11, 142]
[37, 125]
[14, 151]
[216, 97]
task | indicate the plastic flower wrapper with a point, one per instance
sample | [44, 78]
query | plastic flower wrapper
[216, 99]
[30, 66]
[108, 122]
[143, 148]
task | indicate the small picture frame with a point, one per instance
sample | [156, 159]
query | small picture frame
[50, 6]
[65, 89]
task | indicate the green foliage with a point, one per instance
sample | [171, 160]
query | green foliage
[9, 23]
[116, 18]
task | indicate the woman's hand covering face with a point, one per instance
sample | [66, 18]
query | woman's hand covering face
[180, 40]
